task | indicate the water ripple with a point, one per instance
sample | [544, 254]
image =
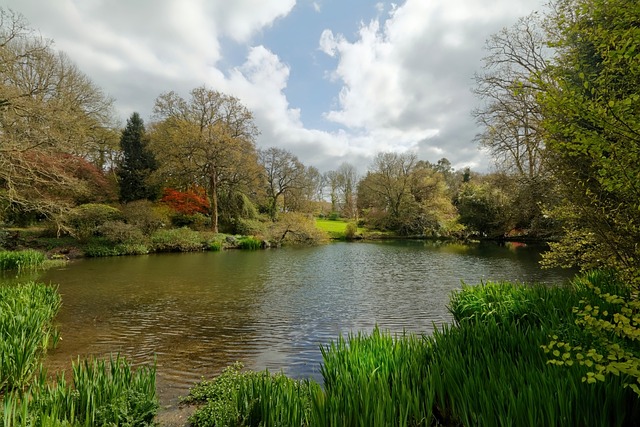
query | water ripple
[195, 314]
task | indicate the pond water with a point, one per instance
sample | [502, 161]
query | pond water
[197, 313]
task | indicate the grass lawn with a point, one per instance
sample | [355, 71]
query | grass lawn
[331, 226]
[336, 228]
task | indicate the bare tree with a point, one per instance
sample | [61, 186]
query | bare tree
[347, 181]
[284, 173]
[390, 181]
[49, 111]
[517, 57]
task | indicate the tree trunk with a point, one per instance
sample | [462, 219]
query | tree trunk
[213, 183]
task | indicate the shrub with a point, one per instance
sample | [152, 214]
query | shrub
[145, 216]
[132, 249]
[85, 220]
[4, 238]
[196, 221]
[350, 231]
[294, 228]
[250, 227]
[97, 249]
[176, 240]
[120, 232]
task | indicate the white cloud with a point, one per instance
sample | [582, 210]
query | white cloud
[260, 83]
[403, 77]
[406, 80]
[239, 19]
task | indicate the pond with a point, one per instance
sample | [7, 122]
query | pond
[197, 313]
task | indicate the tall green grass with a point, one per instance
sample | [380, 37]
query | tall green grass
[249, 398]
[26, 330]
[490, 373]
[525, 305]
[101, 393]
[250, 243]
[275, 400]
[21, 260]
[375, 380]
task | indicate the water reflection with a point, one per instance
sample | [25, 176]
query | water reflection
[197, 313]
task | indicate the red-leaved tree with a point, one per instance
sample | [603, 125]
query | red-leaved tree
[187, 202]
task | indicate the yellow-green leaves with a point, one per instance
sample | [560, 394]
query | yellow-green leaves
[616, 329]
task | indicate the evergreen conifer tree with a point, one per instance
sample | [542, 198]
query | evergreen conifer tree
[138, 162]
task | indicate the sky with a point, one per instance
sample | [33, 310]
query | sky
[331, 81]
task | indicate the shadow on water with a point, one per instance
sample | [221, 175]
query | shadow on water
[197, 313]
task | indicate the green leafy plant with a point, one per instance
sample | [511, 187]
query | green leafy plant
[248, 398]
[375, 380]
[350, 231]
[608, 311]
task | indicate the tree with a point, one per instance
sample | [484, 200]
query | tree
[295, 228]
[331, 181]
[514, 77]
[347, 181]
[313, 190]
[207, 140]
[484, 209]
[591, 111]
[511, 116]
[48, 110]
[187, 202]
[284, 173]
[138, 163]
[406, 195]
[388, 187]
[592, 123]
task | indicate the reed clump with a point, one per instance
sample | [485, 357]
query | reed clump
[100, 393]
[247, 398]
[250, 243]
[20, 261]
[26, 331]
[375, 379]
